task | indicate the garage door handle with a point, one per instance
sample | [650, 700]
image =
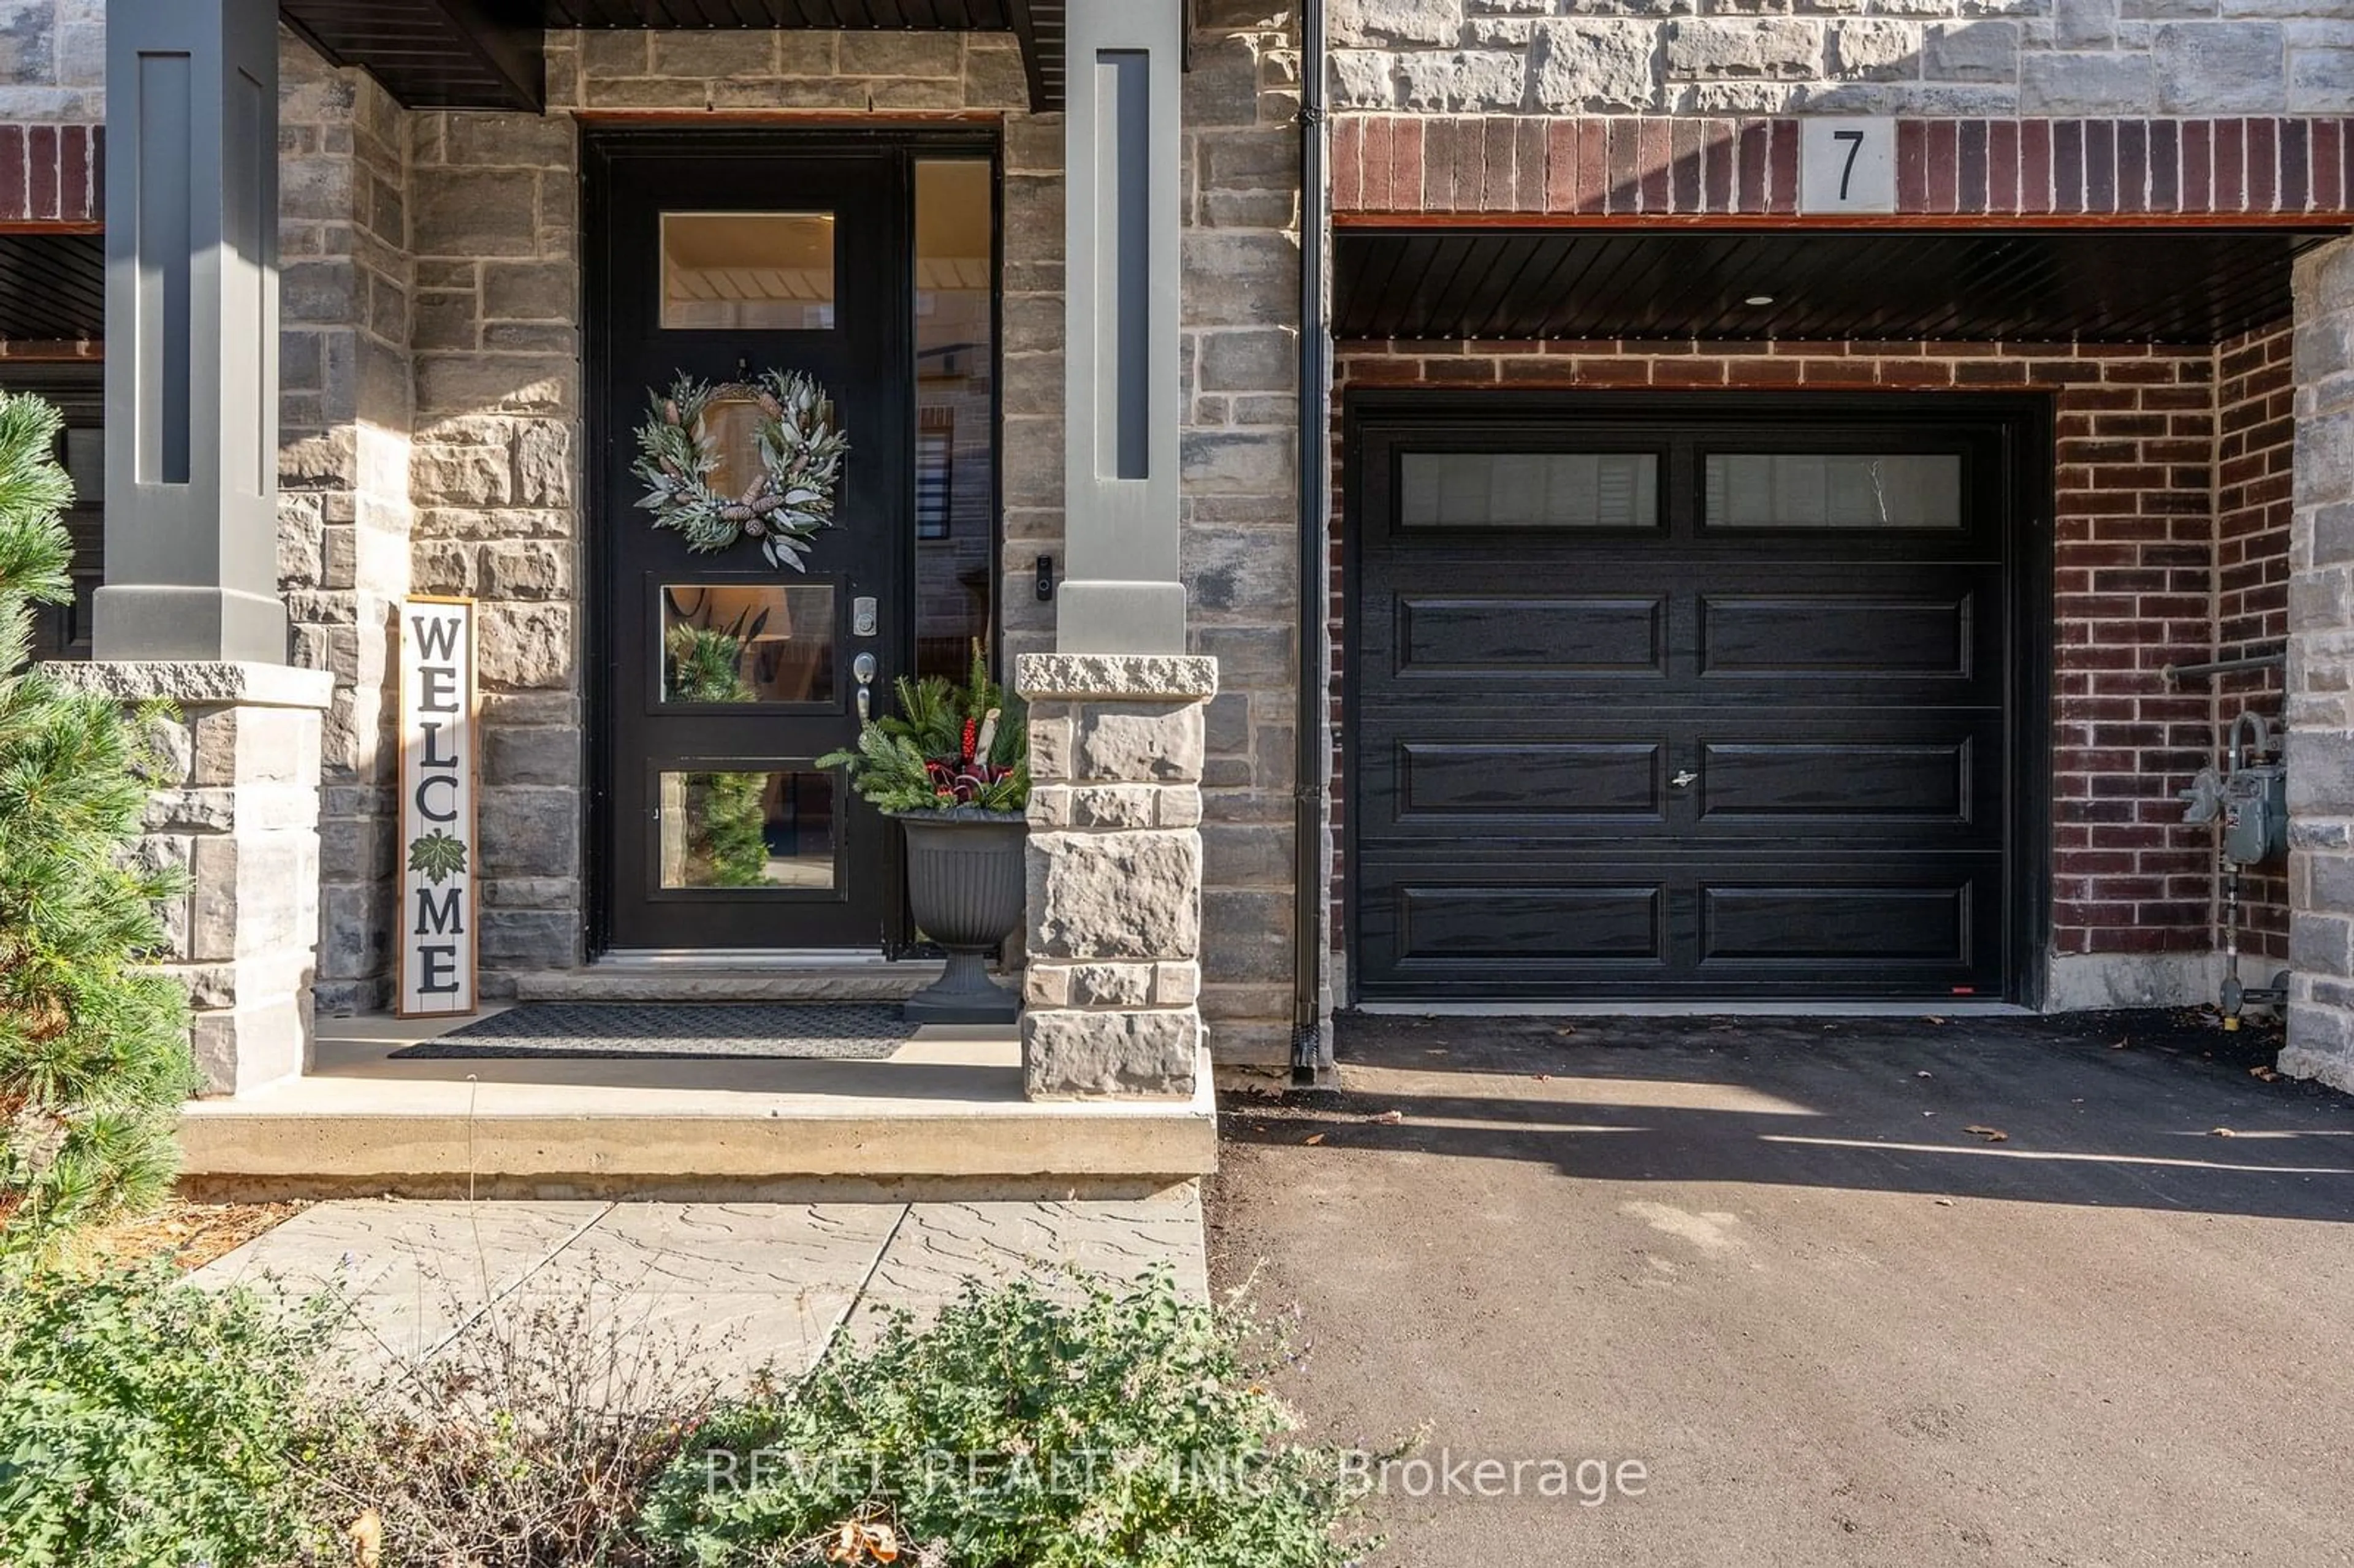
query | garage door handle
[1685, 780]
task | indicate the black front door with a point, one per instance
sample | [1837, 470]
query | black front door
[1713, 700]
[725, 677]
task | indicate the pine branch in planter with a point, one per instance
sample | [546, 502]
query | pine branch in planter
[950, 746]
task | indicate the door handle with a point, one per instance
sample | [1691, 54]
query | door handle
[1684, 779]
[865, 668]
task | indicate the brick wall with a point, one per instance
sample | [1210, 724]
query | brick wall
[1920, 57]
[52, 173]
[2134, 560]
[2255, 430]
[1693, 164]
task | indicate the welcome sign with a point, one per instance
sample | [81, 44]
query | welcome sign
[435, 919]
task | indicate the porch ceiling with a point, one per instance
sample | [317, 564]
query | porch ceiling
[2177, 285]
[490, 54]
[52, 287]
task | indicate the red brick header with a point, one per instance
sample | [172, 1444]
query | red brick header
[52, 173]
[1696, 166]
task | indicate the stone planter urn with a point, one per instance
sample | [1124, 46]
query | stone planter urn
[965, 885]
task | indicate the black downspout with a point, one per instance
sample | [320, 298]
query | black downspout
[1309, 1056]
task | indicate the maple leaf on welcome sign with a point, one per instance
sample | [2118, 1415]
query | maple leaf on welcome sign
[439, 856]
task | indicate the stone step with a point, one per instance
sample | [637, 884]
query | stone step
[815, 982]
[944, 1119]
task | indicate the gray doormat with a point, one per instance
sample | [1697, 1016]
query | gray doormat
[849, 1030]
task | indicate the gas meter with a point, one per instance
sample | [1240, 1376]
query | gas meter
[2249, 797]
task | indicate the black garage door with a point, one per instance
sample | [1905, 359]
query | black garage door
[1715, 700]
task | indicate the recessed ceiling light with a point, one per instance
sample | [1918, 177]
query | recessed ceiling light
[1758, 300]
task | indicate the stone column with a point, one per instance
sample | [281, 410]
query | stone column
[190, 614]
[238, 806]
[1123, 173]
[2320, 701]
[1114, 944]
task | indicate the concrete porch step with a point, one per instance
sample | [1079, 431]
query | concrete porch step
[812, 983]
[944, 1118]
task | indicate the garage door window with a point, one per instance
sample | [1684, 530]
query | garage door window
[1529, 490]
[1801, 490]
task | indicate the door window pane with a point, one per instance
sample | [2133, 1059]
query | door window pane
[1798, 489]
[747, 643]
[748, 270]
[748, 830]
[956, 449]
[1529, 490]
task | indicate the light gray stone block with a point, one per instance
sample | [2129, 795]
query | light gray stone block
[1362, 78]
[1114, 895]
[1462, 80]
[1970, 51]
[1595, 66]
[2064, 84]
[1139, 677]
[1874, 50]
[1069, 1053]
[2221, 68]
[2321, 81]
[1405, 21]
[1701, 49]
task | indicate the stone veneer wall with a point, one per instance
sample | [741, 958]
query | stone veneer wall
[2321, 675]
[1239, 552]
[1845, 57]
[53, 60]
[344, 416]
[497, 471]
[493, 478]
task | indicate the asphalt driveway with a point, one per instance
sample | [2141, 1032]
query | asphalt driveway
[1789, 1270]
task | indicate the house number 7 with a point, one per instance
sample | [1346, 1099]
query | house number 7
[1847, 165]
[1854, 140]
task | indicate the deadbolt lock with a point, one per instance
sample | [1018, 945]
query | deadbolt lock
[865, 668]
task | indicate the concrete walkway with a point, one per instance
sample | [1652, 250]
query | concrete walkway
[732, 1288]
[1869, 1291]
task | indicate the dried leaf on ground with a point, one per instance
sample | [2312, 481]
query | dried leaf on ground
[366, 1535]
[1313, 1137]
[1991, 1134]
[1388, 1118]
